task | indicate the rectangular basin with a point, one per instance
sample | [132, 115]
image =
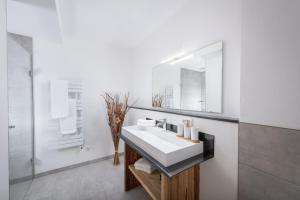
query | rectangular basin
[162, 145]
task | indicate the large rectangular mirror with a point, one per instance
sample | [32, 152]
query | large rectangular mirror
[190, 81]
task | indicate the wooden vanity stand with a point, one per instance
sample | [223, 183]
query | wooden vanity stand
[181, 186]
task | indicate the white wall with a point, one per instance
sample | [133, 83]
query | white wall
[100, 68]
[4, 185]
[270, 82]
[199, 23]
[218, 176]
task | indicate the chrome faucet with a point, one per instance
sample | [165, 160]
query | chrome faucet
[162, 123]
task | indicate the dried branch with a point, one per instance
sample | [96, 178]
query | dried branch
[117, 108]
[157, 100]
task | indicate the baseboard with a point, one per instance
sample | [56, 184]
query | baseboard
[20, 180]
[27, 178]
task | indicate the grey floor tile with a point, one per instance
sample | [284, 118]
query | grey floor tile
[19, 190]
[97, 181]
[137, 193]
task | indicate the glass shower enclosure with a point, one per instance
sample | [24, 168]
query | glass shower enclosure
[21, 120]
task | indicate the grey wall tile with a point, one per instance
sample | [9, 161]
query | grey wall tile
[257, 185]
[273, 150]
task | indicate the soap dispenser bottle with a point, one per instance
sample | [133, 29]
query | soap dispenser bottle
[187, 129]
[195, 134]
[180, 130]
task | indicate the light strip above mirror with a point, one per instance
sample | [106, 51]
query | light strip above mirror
[177, 60]
[176, 56]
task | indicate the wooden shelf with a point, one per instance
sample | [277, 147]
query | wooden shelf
[151, 182]
[183, 185]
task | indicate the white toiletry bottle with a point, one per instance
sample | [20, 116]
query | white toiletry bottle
[187, 129]
[195, 134]
[180, 130]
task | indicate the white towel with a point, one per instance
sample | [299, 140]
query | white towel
[144, 165]
[59, 98]
[68, 125]
[144, 122]
[148, 171]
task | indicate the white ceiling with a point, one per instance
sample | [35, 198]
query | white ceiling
[121, 22]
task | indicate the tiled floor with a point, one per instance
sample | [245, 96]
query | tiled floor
[98, 181]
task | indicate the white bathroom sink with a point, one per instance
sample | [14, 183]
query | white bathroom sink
[162, 145]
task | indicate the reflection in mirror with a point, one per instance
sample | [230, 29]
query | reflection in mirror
[191, 81]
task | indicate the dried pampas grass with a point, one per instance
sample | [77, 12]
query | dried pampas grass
[157, 100]
[117, 108]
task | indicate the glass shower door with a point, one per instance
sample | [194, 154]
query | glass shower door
[20, 100]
